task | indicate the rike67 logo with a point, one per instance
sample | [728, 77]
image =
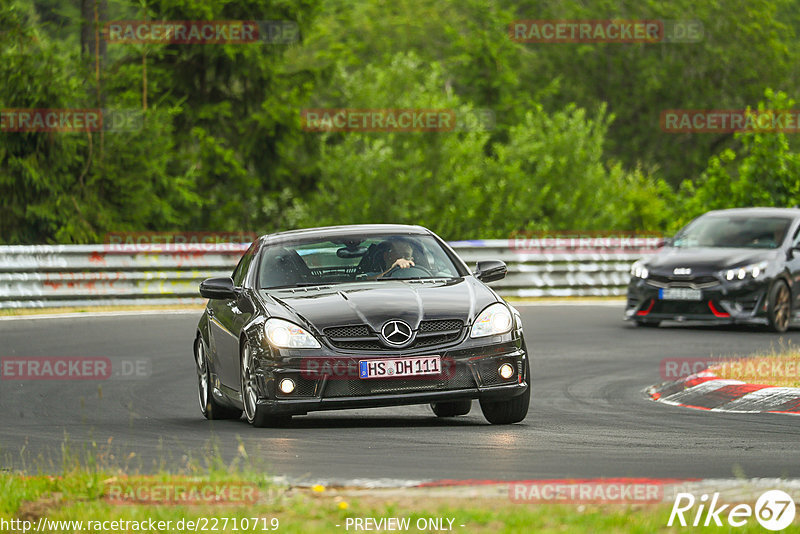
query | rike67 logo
[774, 510]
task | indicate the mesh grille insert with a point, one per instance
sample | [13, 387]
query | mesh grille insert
[360, 330]
[439, 326]
[430, 333]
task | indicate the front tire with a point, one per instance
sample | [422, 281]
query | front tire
[451, 409]
[256, 415]
[509, 411]
[208, 405]
[779, 309]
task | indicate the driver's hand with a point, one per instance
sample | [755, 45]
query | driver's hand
[402, 263]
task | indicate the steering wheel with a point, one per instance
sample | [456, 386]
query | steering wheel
[391, 273]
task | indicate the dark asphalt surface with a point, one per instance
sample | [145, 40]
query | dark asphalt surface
[588, 417]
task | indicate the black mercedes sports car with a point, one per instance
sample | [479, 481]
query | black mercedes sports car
[727, 266]
[358, 316]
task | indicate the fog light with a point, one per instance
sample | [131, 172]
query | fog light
[286, 385]
[506, 370]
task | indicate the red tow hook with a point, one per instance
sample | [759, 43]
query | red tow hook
[649, 308]
[716, 312]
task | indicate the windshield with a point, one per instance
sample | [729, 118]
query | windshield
[354, 259]
[734, 232]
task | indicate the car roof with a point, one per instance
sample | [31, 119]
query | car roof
[345, 230]
[763, 211]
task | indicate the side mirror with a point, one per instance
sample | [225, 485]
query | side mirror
[218, 288]
[490, 270]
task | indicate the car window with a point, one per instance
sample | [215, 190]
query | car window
[796, 237]
[242, 267]
[352, 259]
[735, 231]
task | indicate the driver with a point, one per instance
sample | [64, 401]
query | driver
[398, 254]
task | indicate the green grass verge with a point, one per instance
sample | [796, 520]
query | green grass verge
[82, 495]
[773, 368]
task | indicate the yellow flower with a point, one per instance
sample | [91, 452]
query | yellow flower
[318, 488]
[343, 505]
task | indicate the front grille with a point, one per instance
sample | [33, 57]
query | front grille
[461, 379]
[357, 345]
[438, 326]
[678, 307]
[360, 337]
[436, 340]
[705, 279]
[697, 282]
[348, 331]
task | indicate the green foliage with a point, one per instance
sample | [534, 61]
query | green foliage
[765, 172]
[550, 174]
[747, 45]
[393, 177]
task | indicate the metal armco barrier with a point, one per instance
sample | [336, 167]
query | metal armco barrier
[92, 275]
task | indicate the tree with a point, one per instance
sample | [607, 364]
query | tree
[765, 171]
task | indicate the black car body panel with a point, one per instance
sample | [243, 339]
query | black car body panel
[704, 269]
[347, 320]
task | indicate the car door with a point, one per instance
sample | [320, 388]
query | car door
[228, 320]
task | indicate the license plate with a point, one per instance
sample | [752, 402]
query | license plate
[680, 293]
[389, 368]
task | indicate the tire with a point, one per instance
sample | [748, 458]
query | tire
[648, 324]
[508, 411]
[779, 308]
[451, 409]
[256, 415]
[210, 408]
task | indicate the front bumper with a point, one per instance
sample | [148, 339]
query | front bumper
[726, 303]
[332, 382]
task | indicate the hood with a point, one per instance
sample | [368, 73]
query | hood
[374, 303]
[706, 260]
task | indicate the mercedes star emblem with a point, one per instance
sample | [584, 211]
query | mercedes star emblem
[396, 332]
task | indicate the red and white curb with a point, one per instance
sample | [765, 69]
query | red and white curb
[707, 391]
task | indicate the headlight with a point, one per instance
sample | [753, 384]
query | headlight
[495, 319]
[754, 270]
[639, 270]
[286, 335]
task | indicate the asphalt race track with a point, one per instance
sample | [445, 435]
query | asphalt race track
[589, 416]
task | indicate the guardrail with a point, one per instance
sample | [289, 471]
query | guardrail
[91, 275]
